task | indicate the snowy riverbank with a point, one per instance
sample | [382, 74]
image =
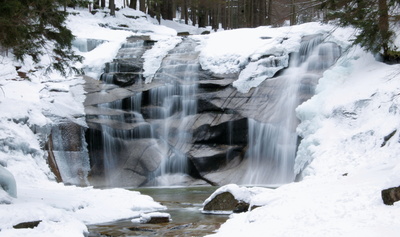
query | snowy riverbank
[341, 155]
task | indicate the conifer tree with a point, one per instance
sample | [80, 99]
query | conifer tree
[370, 17]
[35, 27]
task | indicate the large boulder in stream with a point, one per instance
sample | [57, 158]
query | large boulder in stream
[230, 198]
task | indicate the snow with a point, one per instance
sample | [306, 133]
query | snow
[343, 160]
[240, 193]
[220, 52]
[146, 217]
[29, 107]
[154, 56]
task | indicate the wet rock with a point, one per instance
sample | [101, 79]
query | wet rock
[391, 195]
[241, 207]
[225, 202]
[153, 218]
[27, 225]
[67, 154]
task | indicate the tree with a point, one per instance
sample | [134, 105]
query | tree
[370, 17]
[112, 7]
[35, 27]
[132, 4]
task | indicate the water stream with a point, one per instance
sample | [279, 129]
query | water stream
[273, 144]
[184, 206]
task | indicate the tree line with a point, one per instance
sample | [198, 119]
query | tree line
[226, 14]
[31, 27]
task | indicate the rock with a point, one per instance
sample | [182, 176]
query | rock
[241, 207]
[153, 218]
[184, 33]
[67, 154]
[27, 225]
[225, 202]
[391, 195]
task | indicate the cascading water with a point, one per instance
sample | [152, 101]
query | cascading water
[175, 102]
[189, 122]
[119, 122]
[273, 142]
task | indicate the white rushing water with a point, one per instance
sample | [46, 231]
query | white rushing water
[175, 103]
[273, 145]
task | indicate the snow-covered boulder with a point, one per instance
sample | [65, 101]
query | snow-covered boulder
[230, 198]
[153, 218]
[7, 182]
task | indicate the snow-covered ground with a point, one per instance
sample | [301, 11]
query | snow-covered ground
[343, 127]
[345, 164]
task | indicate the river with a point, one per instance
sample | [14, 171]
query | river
[183, 203]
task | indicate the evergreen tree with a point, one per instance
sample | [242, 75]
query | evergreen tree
[35, 27]
[370, 17]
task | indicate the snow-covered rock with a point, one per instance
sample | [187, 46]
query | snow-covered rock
[152, 218]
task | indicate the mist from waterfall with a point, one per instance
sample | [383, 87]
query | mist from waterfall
[273, 142]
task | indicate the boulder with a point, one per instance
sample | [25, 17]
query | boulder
[153, 218]
[225, 202]
[391, 195]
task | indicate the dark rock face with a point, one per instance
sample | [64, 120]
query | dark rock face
[391, 195]
[226, 202]
[147, 128]
[158, 220]
[67, 154]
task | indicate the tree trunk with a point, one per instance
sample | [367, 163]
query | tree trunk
[142, 6]
[269, 13]
[103, 3]
[293, 13]
[383, 24]
[132, 4]
[185, 12]
[112, 7]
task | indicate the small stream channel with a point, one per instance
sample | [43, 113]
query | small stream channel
[184, 204]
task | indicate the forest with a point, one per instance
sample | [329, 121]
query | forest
[26, 26]
[228, 14]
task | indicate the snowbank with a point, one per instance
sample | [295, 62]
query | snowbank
[344, 158]
[29, 109]
[244, 50]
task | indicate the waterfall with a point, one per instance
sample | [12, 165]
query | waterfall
[273, 142]
[189, 123]
[174, 104]
[116, 125]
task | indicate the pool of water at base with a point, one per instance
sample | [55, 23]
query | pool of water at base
[184, 205]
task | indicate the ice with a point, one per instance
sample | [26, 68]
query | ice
[342, 163]
[256, 72]
[7, 182]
